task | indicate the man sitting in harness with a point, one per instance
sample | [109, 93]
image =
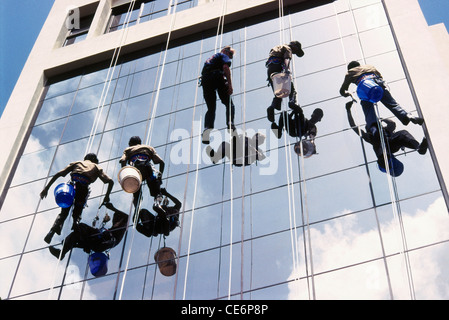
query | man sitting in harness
[358, 73]
[82, 173]
[139, 156]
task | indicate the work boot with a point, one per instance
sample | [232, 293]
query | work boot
[417, 120]
[295, 107]
[422, 149]
[56, 252]
[49, 236]
[276, 130]
[270, 114]
[276, 103]
[206, 135]
[211, 153]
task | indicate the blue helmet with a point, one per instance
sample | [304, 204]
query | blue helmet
[98, 263]
[396, 167]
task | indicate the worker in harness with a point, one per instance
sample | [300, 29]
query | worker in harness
[357, 74]
[82, 174]
[216, 78]
[279, 61]
[140, 156]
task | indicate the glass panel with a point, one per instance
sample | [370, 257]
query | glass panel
[55, 108]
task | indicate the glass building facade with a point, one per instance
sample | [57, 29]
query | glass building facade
[331, 226]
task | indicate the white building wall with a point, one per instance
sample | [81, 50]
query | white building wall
[427, 61]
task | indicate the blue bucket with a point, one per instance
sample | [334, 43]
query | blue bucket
[64, 195]
[98, 264]
[369, 90]
[396, 167]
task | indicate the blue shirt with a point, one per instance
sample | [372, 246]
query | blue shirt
[216, 63]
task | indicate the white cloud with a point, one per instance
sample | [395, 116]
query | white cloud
[341, 243]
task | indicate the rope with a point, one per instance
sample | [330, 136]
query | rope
[150, 130]
[243, 172]
[187, 178]
[109, 76]
[392, 189]
[193, 214]
[396, 207]
[101, 104]
[148, 141]
[295, 247]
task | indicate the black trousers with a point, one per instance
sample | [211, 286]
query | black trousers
[212, 84]
[153, 183]
[81, 194]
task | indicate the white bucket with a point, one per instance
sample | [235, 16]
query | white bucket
[130, 179]
[281, 84]
[166, 261]
[308, 148]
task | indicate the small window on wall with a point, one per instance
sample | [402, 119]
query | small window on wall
[119, 14]
[78, 34]
[78, 23]
[144, 10]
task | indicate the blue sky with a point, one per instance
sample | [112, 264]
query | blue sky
[21, 21]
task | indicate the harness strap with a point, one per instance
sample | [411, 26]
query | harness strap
[136, 157]
[366, 76]
[76, 177]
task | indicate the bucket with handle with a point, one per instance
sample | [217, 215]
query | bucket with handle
[369, 90]
[98, 263]
[166, 260]
[308, 148]
[130, 179]
[64, 195]
[281, 84]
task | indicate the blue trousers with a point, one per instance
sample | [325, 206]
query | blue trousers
[391, 104]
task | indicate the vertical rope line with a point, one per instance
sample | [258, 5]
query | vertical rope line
[395, 207]
[294, 223]
[192, 132]
[172, 24]
[193, 214]
[384, 259]
[220, 250]
[242, 238]
[395, 214]
[110, 75]
[148, 141]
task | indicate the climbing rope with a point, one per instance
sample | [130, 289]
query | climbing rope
[148, 141]
[192, 132]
